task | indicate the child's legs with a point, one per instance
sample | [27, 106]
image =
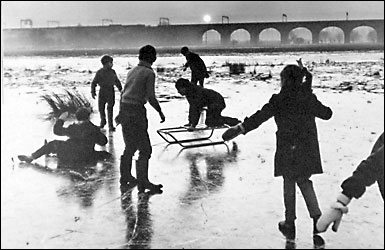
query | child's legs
[307, 190]
[136, 138]
[50, 147]
[110, 108]
[102, 105]
[129, 137]
[289, 198]
[213, 115]
[144, 143]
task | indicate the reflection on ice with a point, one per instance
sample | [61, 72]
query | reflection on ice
[139, 225]
[206, 173]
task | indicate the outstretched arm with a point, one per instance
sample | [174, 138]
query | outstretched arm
[150, 87]
[253, 122]
[319, 110]
[118, 84]
[93, 85]
[368, 171]
[155, 104]
[307, 84]
[58, 128]
[194, 114]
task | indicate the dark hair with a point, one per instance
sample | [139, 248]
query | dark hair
[292, 74]
[106, 59]
[184, 50]
[147, 53]
[182, 83]
[82, 114]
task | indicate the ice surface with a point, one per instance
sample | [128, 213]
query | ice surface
[214, 197]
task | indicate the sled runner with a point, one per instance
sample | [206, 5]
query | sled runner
[177, 135]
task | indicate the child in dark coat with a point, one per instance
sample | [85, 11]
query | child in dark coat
[198, 98]
[79, 148]
[197, 66]
[297, 156]
[106, 78]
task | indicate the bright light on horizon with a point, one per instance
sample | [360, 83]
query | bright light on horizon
[207, 18]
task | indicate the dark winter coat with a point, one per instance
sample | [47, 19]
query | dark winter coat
[197, 66]
[297, 154]
[82, 139]
[198, 98]
[369, 171]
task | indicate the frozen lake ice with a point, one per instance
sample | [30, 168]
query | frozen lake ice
[214, 197]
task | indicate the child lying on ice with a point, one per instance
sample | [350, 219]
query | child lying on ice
[79, 148]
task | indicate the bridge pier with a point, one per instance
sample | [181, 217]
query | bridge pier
[225, 38]
[380, 36]
[254, 37]
[284, 36]
[315, 36]
[347, 36]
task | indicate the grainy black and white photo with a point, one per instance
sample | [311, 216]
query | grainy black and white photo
[192, 124]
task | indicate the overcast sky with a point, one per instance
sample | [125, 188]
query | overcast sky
[70, 13]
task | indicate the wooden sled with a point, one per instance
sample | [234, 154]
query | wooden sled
[170, 136]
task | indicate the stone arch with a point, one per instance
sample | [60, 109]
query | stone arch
[300, 35]
[331, 34]
[269, 36]
[240, 37]
[211, 37]
[363, 34]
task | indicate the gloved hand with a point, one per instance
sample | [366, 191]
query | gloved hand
[63, 116]
[93, 95]
[334, 214]
[233, 132]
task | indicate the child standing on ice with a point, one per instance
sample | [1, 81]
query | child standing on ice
[197, 66]
[297, 156]
[138, 90]
[106, 78]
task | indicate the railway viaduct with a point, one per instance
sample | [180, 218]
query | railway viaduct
[116, 36]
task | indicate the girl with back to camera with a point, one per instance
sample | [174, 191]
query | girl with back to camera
[297, 155]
